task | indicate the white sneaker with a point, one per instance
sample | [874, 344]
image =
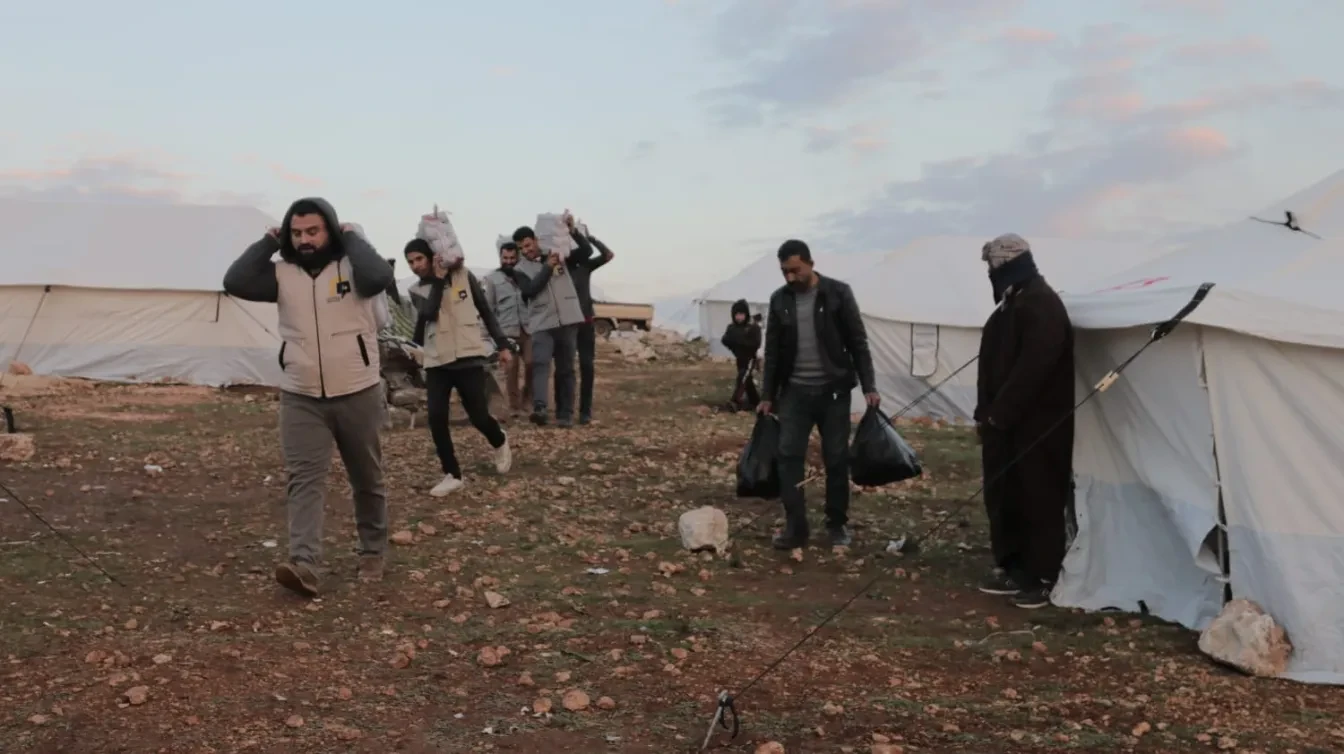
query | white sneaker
[504, 457]
[448, 486]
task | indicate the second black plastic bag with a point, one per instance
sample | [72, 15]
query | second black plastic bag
[879, 455]
[758, 466]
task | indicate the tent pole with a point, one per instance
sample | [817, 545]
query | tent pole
[27, 330]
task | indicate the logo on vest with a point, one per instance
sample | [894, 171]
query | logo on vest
[461, 294]
[338, 289]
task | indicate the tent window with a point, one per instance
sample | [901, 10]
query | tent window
[923, 350]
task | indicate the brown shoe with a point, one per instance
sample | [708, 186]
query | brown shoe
[371, 568]
[299, 578]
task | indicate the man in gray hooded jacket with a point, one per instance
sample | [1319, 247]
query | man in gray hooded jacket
[553, 317]
[331, 394]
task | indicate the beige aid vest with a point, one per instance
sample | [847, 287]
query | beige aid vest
[329, 334]
[456, 334]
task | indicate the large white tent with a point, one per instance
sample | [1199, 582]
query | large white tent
[1234, 423]
[131, 292]
[923, 306]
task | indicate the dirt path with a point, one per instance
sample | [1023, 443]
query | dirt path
[203, 653]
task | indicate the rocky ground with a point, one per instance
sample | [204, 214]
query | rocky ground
[552, 609]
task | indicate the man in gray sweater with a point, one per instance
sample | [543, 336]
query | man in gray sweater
[505, 298]
[553, 317]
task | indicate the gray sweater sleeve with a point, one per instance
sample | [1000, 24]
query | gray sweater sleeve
[251, 277]
[371, 273]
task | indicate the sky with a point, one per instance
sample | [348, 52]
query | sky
[691, 135]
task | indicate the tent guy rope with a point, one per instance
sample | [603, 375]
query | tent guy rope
[727, 701]
[68, 542]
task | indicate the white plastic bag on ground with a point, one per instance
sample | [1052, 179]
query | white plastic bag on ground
[437, 230]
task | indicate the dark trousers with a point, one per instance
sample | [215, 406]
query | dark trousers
[1027, 501]
[587, 347]
[745, 395]
[558, 345]
[802, 408]
[470, 385]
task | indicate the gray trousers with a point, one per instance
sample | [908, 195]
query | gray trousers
[560, 344]
[309, 427]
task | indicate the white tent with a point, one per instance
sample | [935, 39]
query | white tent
[1240, 409]
[923, 306]
[131, 292]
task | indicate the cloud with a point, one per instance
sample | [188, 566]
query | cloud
[291, 177]
[120, 177]
[1110, 149]
[798, 56]
[860, 139]
[643, 149]
[1220, 51]
[1202, 7]
[1055, 191]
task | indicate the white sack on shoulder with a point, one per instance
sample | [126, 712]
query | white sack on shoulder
[437, 230]
[552, 234]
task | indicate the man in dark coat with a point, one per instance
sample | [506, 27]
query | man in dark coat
[1025, 388]
[743, 338]
[816, 353]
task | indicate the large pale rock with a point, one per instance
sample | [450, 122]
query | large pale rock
[16, 448]
[1247, 638]
[19, 369]
[704, 529]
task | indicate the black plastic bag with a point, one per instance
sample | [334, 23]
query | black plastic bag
[879, 455]
[758, 466]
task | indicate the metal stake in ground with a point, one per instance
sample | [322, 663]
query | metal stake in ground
[1158, 333]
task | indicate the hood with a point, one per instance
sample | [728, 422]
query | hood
[740, 307]
[336, 251]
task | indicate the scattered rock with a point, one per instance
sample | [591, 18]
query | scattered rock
[403, 537]
[400, 661]
[606, 703]
[886, 749]
[426, 529]
[575, 700]
[542, 705]
[770, 747]
[496, 600]
[38, 719]
[136, 695]
[294, 721]
[1247, 638]
[19, 369]
[162, 659]
[704, 528]
[16, 448]
[490, 657]
[832, 710]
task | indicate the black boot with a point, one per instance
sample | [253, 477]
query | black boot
[795, 533]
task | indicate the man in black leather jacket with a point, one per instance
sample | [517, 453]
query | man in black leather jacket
[816, 352]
